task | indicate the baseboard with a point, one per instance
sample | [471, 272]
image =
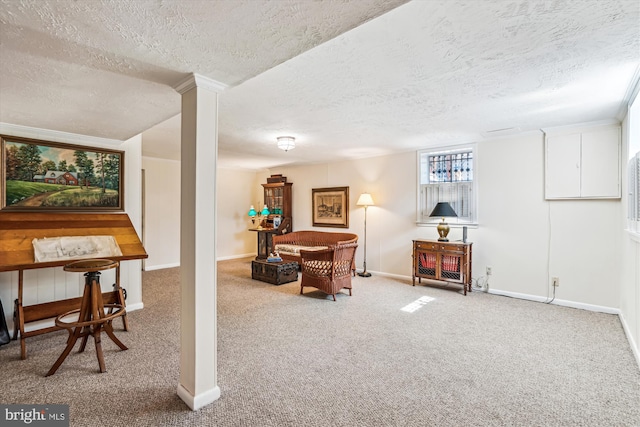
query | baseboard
[177, 264]
[563, 303]
[632, 342]
[136, 306]
[226, 258]
[528, 297]
[196, 402]
[160, 266]
[392, 276]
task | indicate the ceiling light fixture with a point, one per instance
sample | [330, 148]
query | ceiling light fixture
[286, 143]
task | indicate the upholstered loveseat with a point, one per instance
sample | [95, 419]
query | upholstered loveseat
[289, 245]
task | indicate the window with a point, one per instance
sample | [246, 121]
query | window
[447, 175]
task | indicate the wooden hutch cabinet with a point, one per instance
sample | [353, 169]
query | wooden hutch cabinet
[444, 261]
[277, 197]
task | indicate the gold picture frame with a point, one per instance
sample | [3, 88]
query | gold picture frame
[49, 176]
[330, 207]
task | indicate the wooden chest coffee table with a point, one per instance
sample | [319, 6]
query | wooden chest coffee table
[275, 273]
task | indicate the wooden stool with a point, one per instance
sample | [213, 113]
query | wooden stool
[92, 318]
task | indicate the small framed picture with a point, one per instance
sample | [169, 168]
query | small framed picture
[330, 207]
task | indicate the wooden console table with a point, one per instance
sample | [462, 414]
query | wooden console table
[444, 261]
[18, 229]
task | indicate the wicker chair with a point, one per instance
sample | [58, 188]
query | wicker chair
[285, 243]
[329, 270]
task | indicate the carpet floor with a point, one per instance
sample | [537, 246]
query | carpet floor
[286, 359]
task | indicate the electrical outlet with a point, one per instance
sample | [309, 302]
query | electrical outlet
[488, 271]
[555, 281]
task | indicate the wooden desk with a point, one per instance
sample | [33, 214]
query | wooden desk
[265, 241]
[18, 229]
[265, 236]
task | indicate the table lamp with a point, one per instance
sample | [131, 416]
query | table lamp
[443, 209]
[253, 213]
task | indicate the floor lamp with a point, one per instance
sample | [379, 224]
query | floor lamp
[366, 201]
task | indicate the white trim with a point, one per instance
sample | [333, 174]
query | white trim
[448, 149]
[177, 264]
[161, 158]
[633, 235]
[196, 402]
[226, 258]
[563, 303]
[630, 95]
[381, 274]
[528, 297]
[55, 136]
[161, 266]
[436, 221]
[578, 127]
[632, 342]
[196, 80]
[134, 307]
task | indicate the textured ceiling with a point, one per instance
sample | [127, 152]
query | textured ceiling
[348, 79]
[106, 68]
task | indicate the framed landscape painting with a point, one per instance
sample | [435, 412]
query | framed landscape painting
[45, 176]
[330, 207]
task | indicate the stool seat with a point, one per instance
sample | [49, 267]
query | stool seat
[90, 265]
[92, 318]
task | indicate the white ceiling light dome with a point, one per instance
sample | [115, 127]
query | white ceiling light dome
[286, 143]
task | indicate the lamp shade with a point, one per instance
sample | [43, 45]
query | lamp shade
[265, 210]
[365, 200]
[252, 211]
[443, 209]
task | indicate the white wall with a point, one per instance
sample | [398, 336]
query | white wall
[48, 284]
[235, 195]
[162, 212]
[235, 192]
[524, 238]
[630, 243]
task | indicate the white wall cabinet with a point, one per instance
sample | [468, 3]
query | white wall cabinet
[583, 164]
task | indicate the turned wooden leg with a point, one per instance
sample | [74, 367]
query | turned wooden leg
[108, 326]
[85, 316]
[23, 348]
[109, 331]
[96, 338]
[85, 332]
[70, 343]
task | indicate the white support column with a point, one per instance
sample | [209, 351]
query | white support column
[198, 314]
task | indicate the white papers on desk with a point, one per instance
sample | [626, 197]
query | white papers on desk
[75, 247]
